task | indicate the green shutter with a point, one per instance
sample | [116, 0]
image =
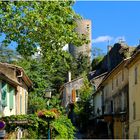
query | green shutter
[4, 94]
[11, 97]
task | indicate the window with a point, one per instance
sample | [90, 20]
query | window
[134, 111]
[122, 75]
[116, 81]
[25, 102]
[112, 84]
[77, 93]
[136, 75]
[112, 107]
[68, 98]
[11, 97]
[87, 26]
[4, 94]
[20, 104]
[73, 95]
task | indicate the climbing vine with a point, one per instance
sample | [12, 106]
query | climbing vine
[35, 126]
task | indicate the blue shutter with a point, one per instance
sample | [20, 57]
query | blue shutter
[4, 94]
[11, 97]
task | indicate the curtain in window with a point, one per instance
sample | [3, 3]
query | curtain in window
[11, 97]
[4, 94]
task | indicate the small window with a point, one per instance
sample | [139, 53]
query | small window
[136, 75]
[25, 102]
[11, 97]
[20, 104]
[122, 75]
[87, 26]
[69, 98]
[112, 107]
[77, 93]
[116, 81]
[112, 84]
[4, 94]
[134, 111]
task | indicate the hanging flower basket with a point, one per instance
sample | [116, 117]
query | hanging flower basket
[47, 114]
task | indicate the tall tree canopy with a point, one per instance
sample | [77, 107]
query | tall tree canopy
[47, 25]
[44, 24]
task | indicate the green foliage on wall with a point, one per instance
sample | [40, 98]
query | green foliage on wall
[36, 127]
[82, 107]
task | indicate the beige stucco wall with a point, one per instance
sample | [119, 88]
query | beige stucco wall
[20, 108]
[97, 102]
[108, 91]
[134, 96]
[19, 91]
[67, 91]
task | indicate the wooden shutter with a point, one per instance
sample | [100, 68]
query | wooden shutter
[11, 97]
[4, 94]
[73, 95]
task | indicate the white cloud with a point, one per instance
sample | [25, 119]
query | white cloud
[102, 39]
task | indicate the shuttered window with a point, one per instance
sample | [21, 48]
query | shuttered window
[25, 102]
[136, 75]
[73, 95]
[4, 94]
[11, 97]
[20, 104]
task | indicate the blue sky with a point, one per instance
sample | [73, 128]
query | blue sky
[111, 20]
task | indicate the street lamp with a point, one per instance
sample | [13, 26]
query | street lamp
[48, 95]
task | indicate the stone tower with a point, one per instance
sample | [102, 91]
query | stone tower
[83, 27]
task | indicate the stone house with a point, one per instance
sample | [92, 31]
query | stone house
[134, 95]
[114, 90]
[69, 92]
[14, 86]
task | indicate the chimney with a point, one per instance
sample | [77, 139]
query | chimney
[69, 76]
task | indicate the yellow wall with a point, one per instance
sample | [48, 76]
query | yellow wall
[134, 96]
[118, 128]
[119, 101]
[108, 91]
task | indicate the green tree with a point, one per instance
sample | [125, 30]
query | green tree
[6, 54]
[48, 25]
[44, 24]
[82, 108]
[98, 56]
[96, 62]
[80, 65]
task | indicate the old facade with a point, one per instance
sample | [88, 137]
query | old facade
[134, 96]
[70, 93]
[115, 101]
[14, 85]
[112, 94]
[83, 28]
